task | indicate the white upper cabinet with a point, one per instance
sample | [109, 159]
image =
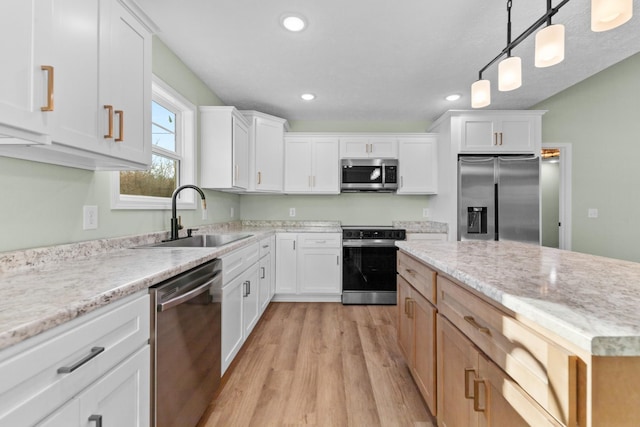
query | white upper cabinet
[503, 132]
[361, 147]
[266, 152]
[22, 81]
[417, 164]
[312, 164]
[224, 151]
[51, 97]
[125, 61]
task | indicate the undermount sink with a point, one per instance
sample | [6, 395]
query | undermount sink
[201, 241]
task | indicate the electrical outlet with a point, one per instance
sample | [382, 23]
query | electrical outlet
[231, 212]
[89, 217]
[425, 213]
[292, 211]
[592, 213]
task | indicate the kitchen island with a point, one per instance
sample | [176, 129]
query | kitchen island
[563, 326]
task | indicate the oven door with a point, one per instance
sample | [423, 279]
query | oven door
[369, 274]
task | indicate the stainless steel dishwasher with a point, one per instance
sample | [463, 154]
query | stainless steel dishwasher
[185, 343]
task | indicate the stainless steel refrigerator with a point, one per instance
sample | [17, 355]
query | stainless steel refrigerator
[499, 198]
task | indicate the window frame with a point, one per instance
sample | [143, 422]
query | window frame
[185, 132]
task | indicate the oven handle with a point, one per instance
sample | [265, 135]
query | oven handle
[187, 296]
[368, 243]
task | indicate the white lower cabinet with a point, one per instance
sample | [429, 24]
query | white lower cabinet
[97, 364]
[308, 266]
[120, 398]
[266, 270]
[245, 295]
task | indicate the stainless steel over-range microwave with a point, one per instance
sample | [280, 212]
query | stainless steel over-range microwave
[369, 175]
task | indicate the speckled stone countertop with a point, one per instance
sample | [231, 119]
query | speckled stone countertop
[591, 301]
[45, 287]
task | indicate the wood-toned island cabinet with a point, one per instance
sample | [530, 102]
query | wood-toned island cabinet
[417, 324]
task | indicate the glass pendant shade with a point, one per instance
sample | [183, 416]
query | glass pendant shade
[481, 94]
[549, 46]
[510, 74]
[609, 14]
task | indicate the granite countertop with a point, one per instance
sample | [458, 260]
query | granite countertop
[45, 287]
[591, 301]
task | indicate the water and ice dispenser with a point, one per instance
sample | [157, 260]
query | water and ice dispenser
[477, 220]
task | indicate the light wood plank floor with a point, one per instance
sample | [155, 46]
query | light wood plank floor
[320, 364]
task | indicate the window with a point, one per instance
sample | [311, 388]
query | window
[172, 159]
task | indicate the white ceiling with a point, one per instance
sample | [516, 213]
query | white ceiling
[375, 60]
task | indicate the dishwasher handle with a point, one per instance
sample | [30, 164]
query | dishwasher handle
[187, 296]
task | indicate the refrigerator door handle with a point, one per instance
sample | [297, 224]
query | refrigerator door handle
[518, 158]
[469, 159]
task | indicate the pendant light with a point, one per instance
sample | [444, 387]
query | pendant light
[609, 14]
[481, 93]
[549, 46]
[509, 69]
[510, 74]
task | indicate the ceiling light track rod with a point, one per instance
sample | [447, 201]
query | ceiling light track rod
[544, 19]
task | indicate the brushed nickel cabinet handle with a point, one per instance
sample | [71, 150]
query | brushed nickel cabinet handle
[49, 70]
[120, 115]
[109, 109]
[501, 135]
[263, 275]
[97, 419]
[476, 325]
[68, 369]
[259, 177]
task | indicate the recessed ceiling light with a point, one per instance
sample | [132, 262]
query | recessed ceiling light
[308, 96]
[293, 23]
[453, 97]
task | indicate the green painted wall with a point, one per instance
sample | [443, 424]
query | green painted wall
[41, 204]
[349, 208]
[600, 117]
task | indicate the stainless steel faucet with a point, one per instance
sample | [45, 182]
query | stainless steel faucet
[175, 225]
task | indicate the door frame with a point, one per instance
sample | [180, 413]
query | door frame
[564, 213]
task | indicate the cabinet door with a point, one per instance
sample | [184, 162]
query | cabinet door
[297, 168]
[125, 63]
[326, 166]
[354, 148]
[265, 273]
[22, 81]
[240, 154]
[405, 322]
[74, 119]
[269, 155]
[418, 166]
[517, 134]
[457, 370]
[232, 317]
[121, 397]
[67, 416]
[319, 271]
[423, 315]
[504, 403]
[272, 275]
[286, 263]
[251, 300]
[381, 148]
[478, 134]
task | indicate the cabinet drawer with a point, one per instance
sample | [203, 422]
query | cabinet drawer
[319, 240]
[266, 245]
[545, 370]
[421, 277]
[238, 261]
[32, 385]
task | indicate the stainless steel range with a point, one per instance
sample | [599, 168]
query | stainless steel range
[369, 264]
